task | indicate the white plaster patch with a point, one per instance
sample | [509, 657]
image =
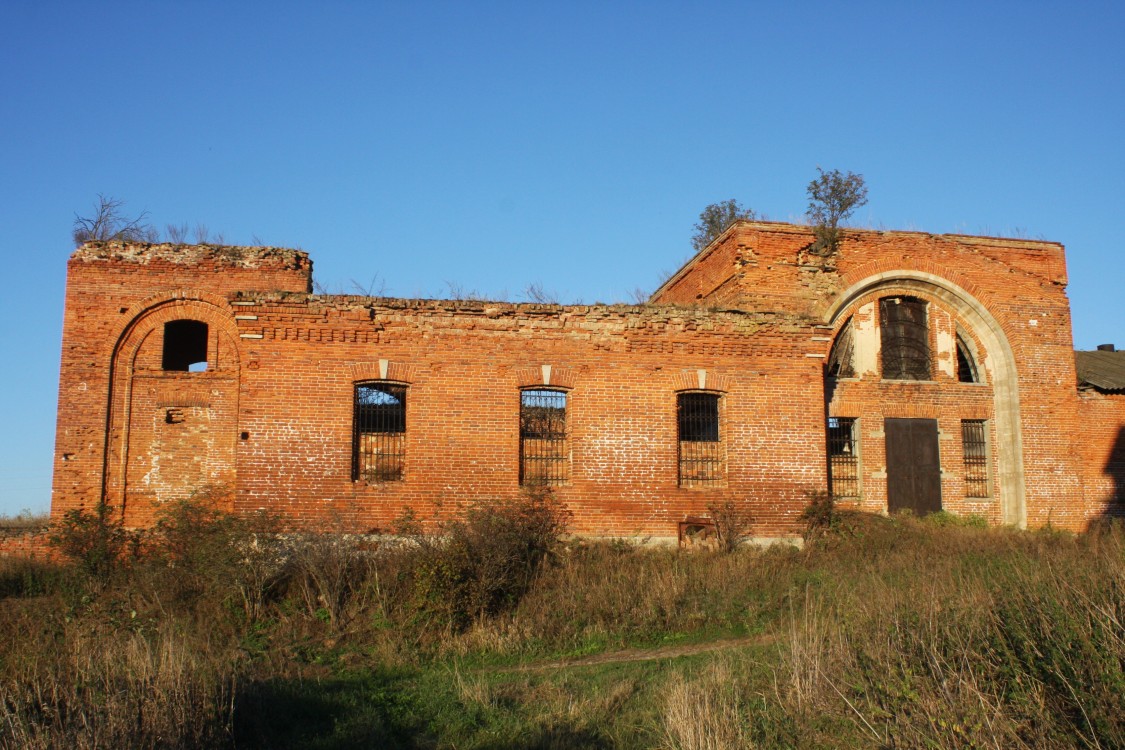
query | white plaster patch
[947, 352]
[865, 341]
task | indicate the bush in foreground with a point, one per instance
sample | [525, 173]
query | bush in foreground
[485, 562]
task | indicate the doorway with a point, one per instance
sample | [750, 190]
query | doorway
[913, 465]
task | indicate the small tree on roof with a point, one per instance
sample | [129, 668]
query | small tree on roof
[832, 198]
[714, 220]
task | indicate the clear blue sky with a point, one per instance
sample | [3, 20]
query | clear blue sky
[490, 145]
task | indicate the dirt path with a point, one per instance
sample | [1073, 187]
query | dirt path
[642, 654]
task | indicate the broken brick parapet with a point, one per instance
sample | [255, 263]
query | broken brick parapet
[249, 257]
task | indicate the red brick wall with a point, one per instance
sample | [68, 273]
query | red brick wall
[1021, 284]
[26, 543]
[109, 286]
[269, 424]
[465, 363]
[1100, 446]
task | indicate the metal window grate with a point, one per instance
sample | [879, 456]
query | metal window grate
[905, 338]
[379, 437]
[974, 448]
[544, 455]
[701, 451]
[843, 457]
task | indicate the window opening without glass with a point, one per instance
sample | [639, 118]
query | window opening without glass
[843, 457]
[905, 338]
[840, 359]
[966, 365]
[185, 346]
[379, 441]
[544, 455]
[974, 448]
[701, 451]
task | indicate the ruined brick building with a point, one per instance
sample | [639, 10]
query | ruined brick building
[904, 370]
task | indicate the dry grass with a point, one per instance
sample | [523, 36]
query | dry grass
[704, 712]
[25, 520]
[118, 690]
[883, 633]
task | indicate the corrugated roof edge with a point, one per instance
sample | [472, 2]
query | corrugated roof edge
[1101, 369]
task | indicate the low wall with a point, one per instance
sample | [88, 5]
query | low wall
[26, 542]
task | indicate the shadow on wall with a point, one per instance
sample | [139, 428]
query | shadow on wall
[1114, 508]
[1115, 470]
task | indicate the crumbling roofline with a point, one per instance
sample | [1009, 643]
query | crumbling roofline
[497, 308]
[780, 227]
[141, 252]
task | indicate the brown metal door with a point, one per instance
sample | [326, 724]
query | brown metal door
[913, 465]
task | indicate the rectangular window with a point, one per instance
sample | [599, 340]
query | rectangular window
[843, 457]
[701, 450]
[185, 346]
[905, 338]
[974, 448]
[544, 454]
[379, 433]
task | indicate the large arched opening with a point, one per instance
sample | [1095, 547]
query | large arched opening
[969, 347]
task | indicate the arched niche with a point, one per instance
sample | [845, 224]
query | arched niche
[172, 427]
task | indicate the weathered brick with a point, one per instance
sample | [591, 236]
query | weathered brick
[268, 425]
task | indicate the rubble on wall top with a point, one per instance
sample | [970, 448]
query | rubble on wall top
[233, 255]
[790, 228]
[498, 309]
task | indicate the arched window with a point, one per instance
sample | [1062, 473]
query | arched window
[544, 454]
[185, 346]
[701, 447]
[966, 364]
[905, 338]
[379, 432]
[841, 360]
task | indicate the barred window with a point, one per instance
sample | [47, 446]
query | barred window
[544, 454]
[905, 337]
[379, 432]
[974, 448]
[843, 457]
[701, 450]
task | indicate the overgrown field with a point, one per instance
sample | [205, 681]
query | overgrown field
[884, 633]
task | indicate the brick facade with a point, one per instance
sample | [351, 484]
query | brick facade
[1101, 452]
[751, 321]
